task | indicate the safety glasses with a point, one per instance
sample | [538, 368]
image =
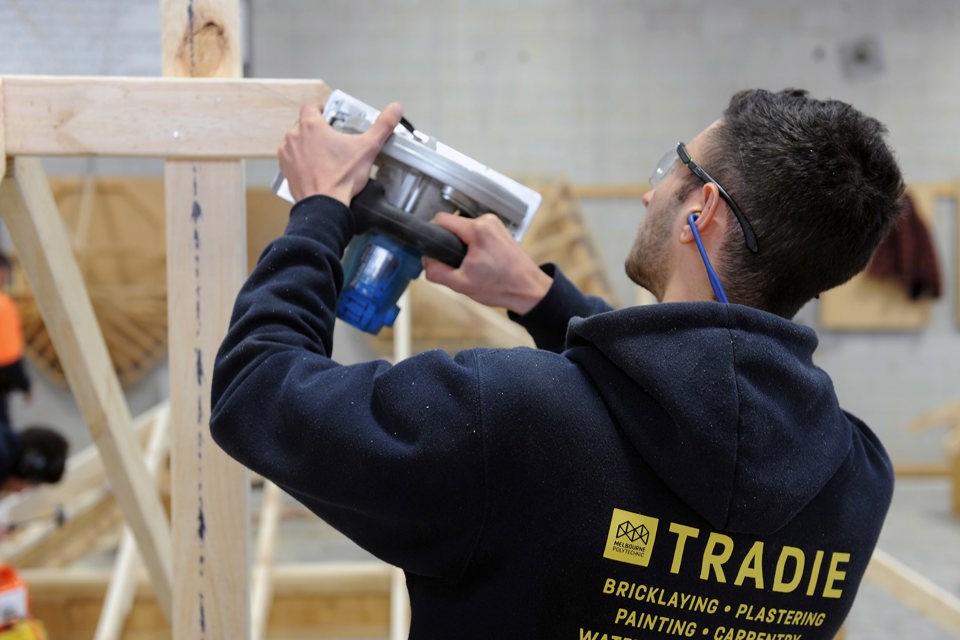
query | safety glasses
[668, 164]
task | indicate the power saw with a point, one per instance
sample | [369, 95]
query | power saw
[413, 178]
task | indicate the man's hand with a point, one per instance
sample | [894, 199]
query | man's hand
[318, 160]
[496, 271]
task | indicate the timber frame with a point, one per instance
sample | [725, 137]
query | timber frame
[203, 128]
[203, 120]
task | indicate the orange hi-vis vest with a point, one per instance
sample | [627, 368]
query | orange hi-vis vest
[11, 331]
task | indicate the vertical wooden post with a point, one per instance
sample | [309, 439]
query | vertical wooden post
[36, 228]
[120, 593]
[261, 592]
[206, 264]
[399, 599]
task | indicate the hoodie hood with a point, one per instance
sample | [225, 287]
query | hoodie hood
[723, 402]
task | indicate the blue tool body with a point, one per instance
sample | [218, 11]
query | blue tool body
[377, 269]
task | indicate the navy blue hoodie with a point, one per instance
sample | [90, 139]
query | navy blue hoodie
[676, 470]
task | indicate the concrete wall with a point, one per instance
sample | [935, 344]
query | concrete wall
[595, 91]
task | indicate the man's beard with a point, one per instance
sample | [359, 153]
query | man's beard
[647, 263]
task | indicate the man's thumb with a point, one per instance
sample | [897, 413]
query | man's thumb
[387, 121]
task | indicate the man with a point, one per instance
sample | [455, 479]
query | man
[681, 469]
[34, 456]
[13, 373]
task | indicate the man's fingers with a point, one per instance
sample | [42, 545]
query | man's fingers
[460, 226]
[440, 273]
[434, 268]
[386, 122]
[310, 112]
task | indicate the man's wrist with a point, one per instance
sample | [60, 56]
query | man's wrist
[341, 194]
[532, 294]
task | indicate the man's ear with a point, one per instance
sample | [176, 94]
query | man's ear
[708, 210]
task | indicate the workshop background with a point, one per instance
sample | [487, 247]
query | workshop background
[595, 91]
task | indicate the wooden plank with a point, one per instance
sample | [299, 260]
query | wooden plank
[36, 229]
[921, 470]
[119, 597]
[911, 588]
[399, 605]
[399, 598]
[206, 264]
[261, 592]
[87, 526]
[316, 601]
[609, 191]
[946, 415]
[152, 117]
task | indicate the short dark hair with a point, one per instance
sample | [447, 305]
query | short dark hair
[817, 182]
[43, 455]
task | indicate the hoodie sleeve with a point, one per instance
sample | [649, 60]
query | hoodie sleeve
[389, 455]
[547, 321]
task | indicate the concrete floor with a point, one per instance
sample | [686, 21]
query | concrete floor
[921, 533]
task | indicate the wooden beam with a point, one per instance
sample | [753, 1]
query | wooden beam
[88, 524]
[320, 600]
[261, 593]
[916, 591]
[921, 470]
[609, 191]
[151, 117]
[120, 593]
[945, 415]
[399, 598]
[399, 605]
[36, 228]
[206, 264]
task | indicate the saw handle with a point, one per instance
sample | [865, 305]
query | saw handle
[372, 211]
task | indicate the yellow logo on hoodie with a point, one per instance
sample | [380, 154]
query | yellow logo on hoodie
[631, 537]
